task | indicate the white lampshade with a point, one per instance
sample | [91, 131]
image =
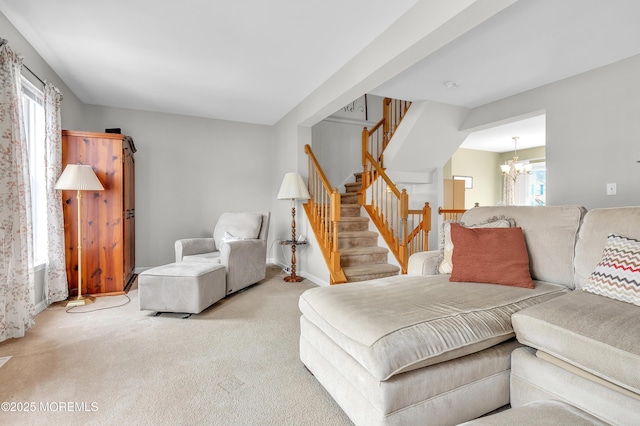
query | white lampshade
[293, 188]
[79, 177]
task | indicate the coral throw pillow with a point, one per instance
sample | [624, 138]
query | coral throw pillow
[446, 245]
[490, 255]
[617, 276]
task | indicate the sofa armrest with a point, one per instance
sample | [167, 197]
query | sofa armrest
[424, 263]
[246, 262]
[191, 246]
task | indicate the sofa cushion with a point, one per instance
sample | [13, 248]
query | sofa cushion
[211, 257]
[402, 323]
[594, 333]
[244, 225]
[618, 274]
[550, 233]
[446, 245]
[595, 229]
[490, 255]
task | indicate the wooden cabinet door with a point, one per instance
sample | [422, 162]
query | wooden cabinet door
[453, 198]
[129, 213]
[102, 213]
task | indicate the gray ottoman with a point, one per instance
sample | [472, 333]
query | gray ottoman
[183, 287]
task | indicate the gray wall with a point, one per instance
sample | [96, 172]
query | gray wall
[338, 148]
[197, 168]
[593, 133]
[72, 108]
[188, 171]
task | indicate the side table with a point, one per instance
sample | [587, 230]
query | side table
[293, 278]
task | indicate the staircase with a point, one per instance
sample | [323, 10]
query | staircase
[349, 249]
[361, 258]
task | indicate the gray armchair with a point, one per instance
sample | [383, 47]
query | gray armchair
[239, 243]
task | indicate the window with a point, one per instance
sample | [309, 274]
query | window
[531, 188]
[34, 127]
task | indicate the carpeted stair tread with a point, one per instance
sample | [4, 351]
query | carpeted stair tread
[349, 198]
[370, 272]
[352, 186]
[358, 256]
[349, 210]
[358, 223]
[355, 219]
[357, 234]
[351, 239]
[357, 251]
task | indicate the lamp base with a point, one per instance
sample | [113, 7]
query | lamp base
[80, 301]
[293, 278]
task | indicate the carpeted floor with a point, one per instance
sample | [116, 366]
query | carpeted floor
[236, 363]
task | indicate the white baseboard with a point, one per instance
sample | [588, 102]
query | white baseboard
[317, 281]
[272, 261]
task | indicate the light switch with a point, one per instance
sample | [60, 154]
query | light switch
[612, 189]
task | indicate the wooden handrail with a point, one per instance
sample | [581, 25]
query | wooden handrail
[323, 211]
[451, 214]
[405, 231]
[315, 165]
[376, 139]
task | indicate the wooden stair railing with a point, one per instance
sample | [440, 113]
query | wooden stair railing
[323, 211]
[405, 231]
[451, 214]
[377, 138]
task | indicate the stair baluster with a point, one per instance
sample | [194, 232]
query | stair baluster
[323, 211]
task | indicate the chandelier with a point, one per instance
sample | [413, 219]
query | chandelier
[512, 168]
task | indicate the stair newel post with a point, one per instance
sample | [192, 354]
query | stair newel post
[362, 196]
[404, 213]
[335, 219]
[426, 226]
[386, 117]
[365, 140]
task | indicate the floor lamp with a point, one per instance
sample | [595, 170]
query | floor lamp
[80, 178]
[293, 188]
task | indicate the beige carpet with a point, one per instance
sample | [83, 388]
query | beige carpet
[236, 363]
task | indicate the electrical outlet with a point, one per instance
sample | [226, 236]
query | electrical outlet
[612, 189]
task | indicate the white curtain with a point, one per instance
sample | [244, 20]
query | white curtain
[17, 306]
[56, 288]
[509, 185]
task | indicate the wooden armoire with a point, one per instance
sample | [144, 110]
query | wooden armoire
[108, 217]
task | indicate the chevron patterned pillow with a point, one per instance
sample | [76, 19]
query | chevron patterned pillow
[617, 276]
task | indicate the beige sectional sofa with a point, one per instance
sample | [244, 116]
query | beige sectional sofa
[584, 348]
[419, 349]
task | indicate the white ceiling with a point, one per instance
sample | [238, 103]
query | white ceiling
[240, 60]
[529, 131]
[254, 60]
[528, 45]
